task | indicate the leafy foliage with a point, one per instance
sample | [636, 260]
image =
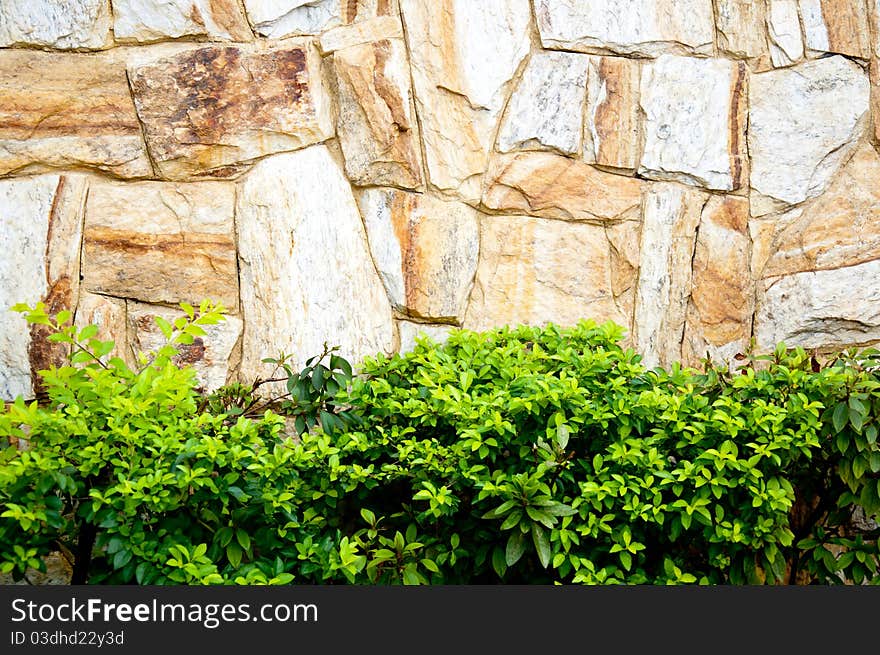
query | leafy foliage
[519, 455]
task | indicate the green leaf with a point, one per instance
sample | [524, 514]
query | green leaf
[88, 332]
[121, 558]
[542, 544]
[164, 326]
[234, 554]
[516, 546]
[244, 539]
[840, 416]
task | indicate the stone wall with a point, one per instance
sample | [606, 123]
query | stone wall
[702, 172]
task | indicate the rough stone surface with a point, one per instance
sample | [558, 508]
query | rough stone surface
[425, 250]
[109, 314]
[741, 27]
[636, 27]
[719, 315]
[377, 127]
[611, 118]
[546, 109]
[784, 31]
[840, 228]
[154, 20]
[61, 24]
[280, 18]
[41, 229]
[819, 309]
[536, 271]
[671, 216]
[802, 122]
[208, 355]
[306, 272]
[839, 26]
[271, 100]
[67, 110]
[624, 240]
[695, 121]
[464, 55]
[409, 332]
[552, 186]
[367, 31]
[161, 242]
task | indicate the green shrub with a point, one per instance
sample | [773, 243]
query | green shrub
[523, 455]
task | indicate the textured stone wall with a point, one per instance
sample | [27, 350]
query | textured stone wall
[703, 172]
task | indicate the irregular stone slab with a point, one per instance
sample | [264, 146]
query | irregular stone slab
[536, 271]
[464, 55]
[784, 32]
[41, 231]
[161, 242]
[802, 122]
[306, 272]
[408, 333]
[546, 109]
[376, 121]
[208, 355]
[630, 27]
[611, 118]
[695, 122]
[552, 186]
[367, 31]
[840, 228]
[425, 249]
[719, 315]
[839, 26]
[59, 24]
[65, 111]
[624, 241]
[111, 317]
[281, 18]
[741, 27]
[816, 309]
[671, 216]
[155, 20]
[205, 111]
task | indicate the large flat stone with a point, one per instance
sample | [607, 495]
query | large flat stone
[68, 111]
[464, 55]
[820, 309]
[425, 249]
[631, 27]
[536, 271]
[671, 217]
[41, 231]
[360, 33]
[695, 122]
[376, 121]
[548, 185]
[784, 32]
[59, 24]
[155, 20]
[306, 272]
[611, 118]
[803, 123]
[410, 332]
[110, 316]
[839, 26]
[208, 110]
[161, 242]
[281, 18]
[741, 28]
[546, 109]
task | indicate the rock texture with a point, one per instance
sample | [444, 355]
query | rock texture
[839, 26]
[551, 186]
[537, 271]
[784, 31]
[60, 24]
[379, 28]
[719, 315]
[207, 110]
[156, 20]
[671, 217]
[208, 355]
[741, 28]
[634, 27]
[611, 117]
[546, 109]
[409, 332]
[306, 272]
[161, 242]
[464, 55]
[67, 111]
[40, 227]
[695, 121]
[377, 127]
[425, 249]
[802, 124]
